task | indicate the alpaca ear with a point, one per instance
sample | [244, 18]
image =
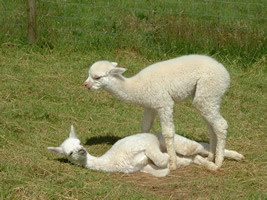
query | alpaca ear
[72, 132]
[57, 150]
[114, 64]
[117, 71]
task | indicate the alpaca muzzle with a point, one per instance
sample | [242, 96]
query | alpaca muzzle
[87, 85]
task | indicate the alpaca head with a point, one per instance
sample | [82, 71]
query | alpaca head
[71, 149]
[101, 73]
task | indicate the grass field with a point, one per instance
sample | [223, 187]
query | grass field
[154, 29]
[42, 94]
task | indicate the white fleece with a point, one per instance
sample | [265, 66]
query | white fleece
[159, 86]
[144, 152]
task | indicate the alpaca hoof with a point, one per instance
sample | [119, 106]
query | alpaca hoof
[219, 169]
[173, 167]
[213, 167]
[219, 162]
[211, 157]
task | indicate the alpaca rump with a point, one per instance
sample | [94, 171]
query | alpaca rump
[143, 152]
[159, 86]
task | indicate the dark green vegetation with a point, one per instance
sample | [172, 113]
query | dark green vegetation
[154, 29]
[41, 95]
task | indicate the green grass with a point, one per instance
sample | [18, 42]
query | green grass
[42, 95]
[154, 29]
[160, 28]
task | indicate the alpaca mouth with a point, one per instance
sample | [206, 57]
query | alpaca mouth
[82, 150]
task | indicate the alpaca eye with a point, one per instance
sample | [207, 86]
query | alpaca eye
[97, 77]
[71, 153]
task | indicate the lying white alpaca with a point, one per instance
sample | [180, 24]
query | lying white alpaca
[142, 152]
[160, 85]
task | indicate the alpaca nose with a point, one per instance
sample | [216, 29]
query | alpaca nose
[87, 85]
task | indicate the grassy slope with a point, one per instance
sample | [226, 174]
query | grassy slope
[42, 95]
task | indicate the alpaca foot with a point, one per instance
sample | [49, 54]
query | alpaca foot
[172, 166]
[219, 161]
[240, 157]
[205, 162]
[211, 157]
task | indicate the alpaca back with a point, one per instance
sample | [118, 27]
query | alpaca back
[176, 79]
[184, 67]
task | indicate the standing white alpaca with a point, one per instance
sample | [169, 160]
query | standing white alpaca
[160, 85]
[142, 152]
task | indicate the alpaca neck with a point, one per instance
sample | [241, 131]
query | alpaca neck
[122, 88]
[98, 163]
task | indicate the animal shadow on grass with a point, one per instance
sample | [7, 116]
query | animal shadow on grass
[102, 140]
[63, 160]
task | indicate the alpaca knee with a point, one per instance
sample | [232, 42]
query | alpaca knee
[221, 126]
[163, 162]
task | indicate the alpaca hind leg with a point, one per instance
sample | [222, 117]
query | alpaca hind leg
[157, 157]
[233, 155]
[148, 119]
[183, 161]
[227, 153]
[204, 162]
[219, 126]
[209, 109]
[155, 171]
[168, 132]
[213, 142]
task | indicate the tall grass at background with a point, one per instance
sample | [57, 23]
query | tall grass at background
[152, 28]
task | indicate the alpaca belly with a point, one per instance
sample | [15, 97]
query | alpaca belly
[182, 90]
[130, 163]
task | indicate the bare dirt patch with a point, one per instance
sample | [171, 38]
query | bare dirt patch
[174, 186]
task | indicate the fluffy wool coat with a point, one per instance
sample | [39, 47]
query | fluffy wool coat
[159, 86]
[144, 152]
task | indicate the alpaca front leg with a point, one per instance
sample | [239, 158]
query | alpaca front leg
[168, 132]
[148, 119]
[171, 151]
